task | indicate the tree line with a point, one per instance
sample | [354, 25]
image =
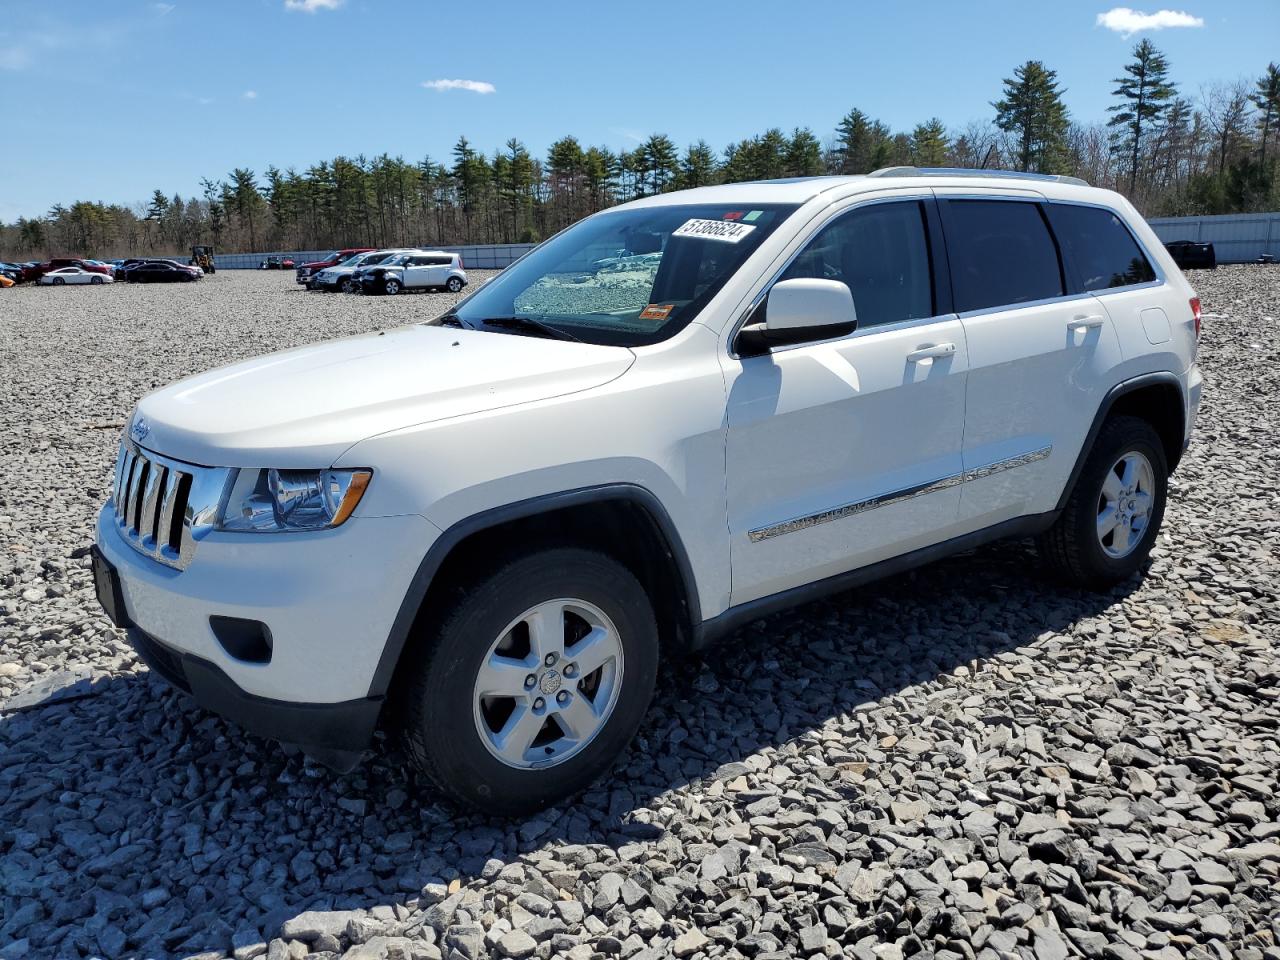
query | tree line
[1172, 153]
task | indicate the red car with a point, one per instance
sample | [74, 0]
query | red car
[57, 263]
[306, 271]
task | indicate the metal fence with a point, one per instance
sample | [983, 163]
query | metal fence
[1236, 237]
[475, 257]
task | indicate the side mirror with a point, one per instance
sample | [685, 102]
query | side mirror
[798, 311]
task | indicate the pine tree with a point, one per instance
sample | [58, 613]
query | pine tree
[860, 144]
[804, 154]
[698, 167]
[929, 145]
[1266, 97]
[1144, 94]
[1032, 110]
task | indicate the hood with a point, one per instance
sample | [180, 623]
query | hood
[304, 407]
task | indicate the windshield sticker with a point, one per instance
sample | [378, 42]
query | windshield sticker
[657, 311]
[724, 231]
[754, 214]
[733, 215]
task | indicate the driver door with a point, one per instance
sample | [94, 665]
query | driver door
[846, 452]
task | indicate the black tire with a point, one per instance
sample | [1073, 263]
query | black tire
[348, 285]
[96, 280]
[58, 281]
[391, 286]
[1071, 548]
[436, 695]
[454, 285]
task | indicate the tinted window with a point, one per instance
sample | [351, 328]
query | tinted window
[1001, 253]
[882, 253]
[1100, 247]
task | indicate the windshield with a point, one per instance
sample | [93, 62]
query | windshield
[628, 277]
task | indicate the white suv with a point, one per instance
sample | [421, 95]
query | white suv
[419, 270]
[672, 418]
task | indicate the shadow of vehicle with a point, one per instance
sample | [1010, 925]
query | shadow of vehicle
[134, 821]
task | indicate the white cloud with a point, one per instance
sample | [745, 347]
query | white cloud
[250, 95]
[1126, 21]
[163, 8]
[475, 86]
[311, 6]
[204, 101]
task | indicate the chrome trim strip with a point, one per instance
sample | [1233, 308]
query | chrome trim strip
[898, 496]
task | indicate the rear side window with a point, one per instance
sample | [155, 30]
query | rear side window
[881, 252]
[1001, 254]
[1099, 246]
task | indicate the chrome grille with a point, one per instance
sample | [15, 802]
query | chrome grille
[162, 506]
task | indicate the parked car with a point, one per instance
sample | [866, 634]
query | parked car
[272, 263]
[13, 271]
[1190, 255]
[422, 270]
[65, 275]
[304, 271]
[92, 266]
[342, 276]
[6, 280]
[486, 529]
[159, 271]
[32, 270]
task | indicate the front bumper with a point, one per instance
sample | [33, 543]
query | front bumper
[328, 600]
[327, 727]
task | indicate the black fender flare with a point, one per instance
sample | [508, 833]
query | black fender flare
[1161, 378]
[632, 493]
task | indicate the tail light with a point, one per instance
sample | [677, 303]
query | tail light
[461, 265]
[1195, 314]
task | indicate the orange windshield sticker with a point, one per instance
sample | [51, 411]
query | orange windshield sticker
[657, 311]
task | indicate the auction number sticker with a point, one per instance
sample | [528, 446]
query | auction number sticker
[727, 231]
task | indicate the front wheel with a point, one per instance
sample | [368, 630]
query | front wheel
[1112, 517]
[348, 285]
[391, 287]
[533, 683]
[97, 280]
[454, 284]
[58, 281]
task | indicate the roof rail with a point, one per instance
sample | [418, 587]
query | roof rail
[970, 172]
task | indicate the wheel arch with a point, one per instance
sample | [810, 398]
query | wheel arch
[652, 550]
[1157, 398]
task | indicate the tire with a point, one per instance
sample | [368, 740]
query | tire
[452, 734]
[348, 285]
[1075, 547]
[58, 281]
[96, 280]
[391, 287]
[454, 285]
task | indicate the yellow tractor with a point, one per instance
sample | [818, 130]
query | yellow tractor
[202, 257]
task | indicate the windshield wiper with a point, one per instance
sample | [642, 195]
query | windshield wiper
[528, 323]
[453, 320]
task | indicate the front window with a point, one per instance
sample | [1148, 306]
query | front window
[627, 277]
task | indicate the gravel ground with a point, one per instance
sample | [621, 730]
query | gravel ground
[964, 761]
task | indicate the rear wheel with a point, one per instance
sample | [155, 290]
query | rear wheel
[391, 286]
[1112, 517]
[533, 682]
[96, 280]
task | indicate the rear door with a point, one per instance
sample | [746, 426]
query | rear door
[845, 452]
[1040, 355]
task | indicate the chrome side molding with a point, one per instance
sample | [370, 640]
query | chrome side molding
[897, 496]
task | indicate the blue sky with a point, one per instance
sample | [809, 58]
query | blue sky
[110, 101]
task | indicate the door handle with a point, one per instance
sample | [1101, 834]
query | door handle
[931, 351]
[1082, 324]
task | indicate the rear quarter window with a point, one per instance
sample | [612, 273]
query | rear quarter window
[1102, 251]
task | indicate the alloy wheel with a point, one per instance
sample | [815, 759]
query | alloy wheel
[548, 684]
[1124, 504]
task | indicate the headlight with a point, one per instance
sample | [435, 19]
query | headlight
[275, 501]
